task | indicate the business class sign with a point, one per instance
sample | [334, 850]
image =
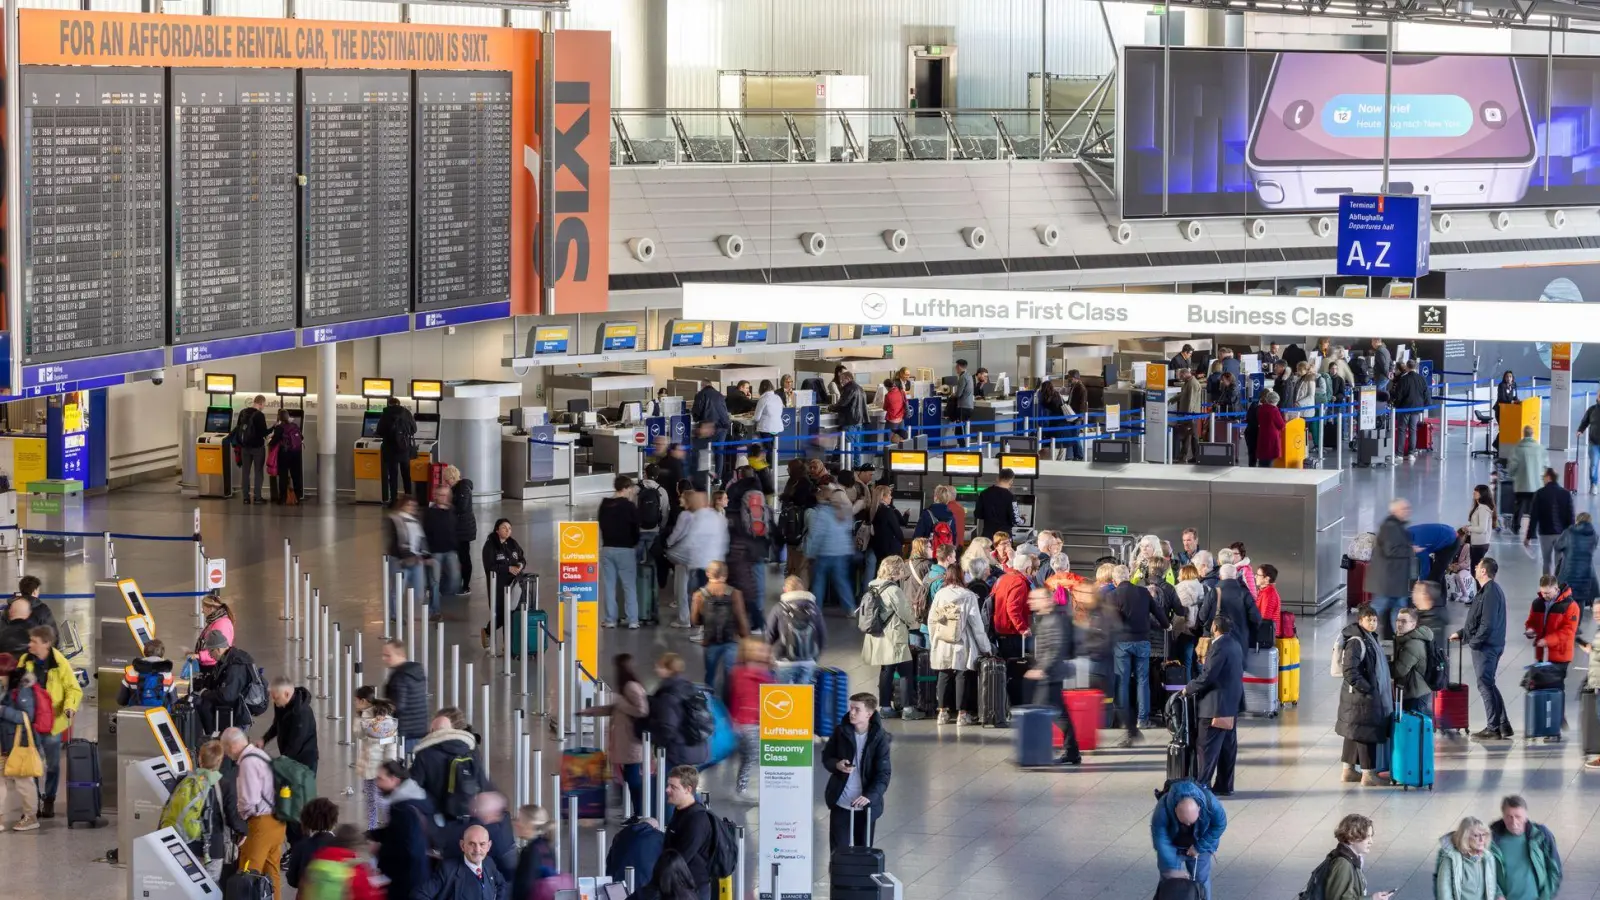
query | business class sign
[1154, 313]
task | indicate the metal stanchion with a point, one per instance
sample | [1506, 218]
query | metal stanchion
[516, 756]
[383, 579]
[505, 639]
[529, 657]
[333, 688]
[488, 722]
[600, 859]
[628, 878]
[313, 631]
[438, 651]
[349, 697]
[325, 648]
[561, 690]
[544, 696]
[310, 624]
[525, 767]
[455, 676]
[427, 678]
[646, 794]
[360, 677]
[739, 883]
[399, 597]
[572, 474]
[471, 689]
[572, 830]
[661, 783]
[199, 578]
[290, 566]
[538, 772]
[555, 816]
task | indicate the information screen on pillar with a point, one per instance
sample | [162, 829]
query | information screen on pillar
[94, 228]
[463, 188]
[356, 140]
[234, 193]
[290, 386]
[1023, 466]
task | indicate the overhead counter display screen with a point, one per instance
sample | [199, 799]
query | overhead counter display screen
[94, 224]
[233, 203]
[463, 189]
[357, 144]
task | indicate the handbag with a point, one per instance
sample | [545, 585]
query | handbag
[1223, 723]
[24, 760]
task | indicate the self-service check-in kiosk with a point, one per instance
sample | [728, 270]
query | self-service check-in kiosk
[291, 391]
[213, 473]
[369, 447]
[1025, 467]
[425, 395]
[164, 868]
[909, 469]
[962, 470]
[124, 626]
[144, 784]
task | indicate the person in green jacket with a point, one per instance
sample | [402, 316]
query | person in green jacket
[1464, 868]
[1410, 665]
[1341, 872]
[1525, 463]
[1525, 853]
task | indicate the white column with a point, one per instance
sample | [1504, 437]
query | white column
[1037, 347]
[328, 423]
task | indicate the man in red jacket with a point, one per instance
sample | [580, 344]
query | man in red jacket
[1553, 624]
[1012, 620]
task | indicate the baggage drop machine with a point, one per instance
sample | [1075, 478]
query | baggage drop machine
[124, 624]
[962, 471]
[212, 467]
[908, 474]
[164, 868]
[423, 465]
[292, 388]
[369, 447]
[145, 781]
[1025, 468]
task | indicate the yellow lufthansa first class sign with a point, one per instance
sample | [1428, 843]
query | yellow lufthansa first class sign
[578, 565]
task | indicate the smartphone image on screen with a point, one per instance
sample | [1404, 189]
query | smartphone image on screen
[1459, 130]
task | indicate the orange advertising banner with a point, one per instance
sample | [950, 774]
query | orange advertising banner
[57, 37]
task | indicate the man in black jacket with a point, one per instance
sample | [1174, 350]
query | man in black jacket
[690, 830]
[1135, 619]
[474, 876]
[1408, 392]
[407, 689]
[294, 723]
[436, 756]
[1389, 573]
[466, 525]
[250, 435]
[234, 672]
[856, 758]
[711, 422]
[396, 427]
[1552, 514]
[444, 568]
[1054, 646]
[996, 509]
[888, 537]
[1220, 694]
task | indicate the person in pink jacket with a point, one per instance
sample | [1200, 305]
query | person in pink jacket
[1269, 430]
[218, 617]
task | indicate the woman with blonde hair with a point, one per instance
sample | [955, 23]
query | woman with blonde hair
[1191, 598]
[888, 645]
[959, 638]
[1103, 583]
[1464, 868]
[1302, 391]
[982, 548]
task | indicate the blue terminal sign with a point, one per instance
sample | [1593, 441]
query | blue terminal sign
[1384, 235]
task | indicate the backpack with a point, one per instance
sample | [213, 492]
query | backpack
[462, 783]
[185, 809]
[1324, 392]
[792, 524]
[873, 614]
[327, 879]
[649, 507]
[797, 635]
[292, 439]
[1337, 668]
[698, 723]
[256, 698]
[716, 618]
[941, 537]
[753, 514]
[1436, 670]
[44, 713]
[945, 620]
[153, 689]
[295, 786]
[724, 847]
[1316, 885]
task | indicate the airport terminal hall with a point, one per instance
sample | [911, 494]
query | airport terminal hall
[800, 449]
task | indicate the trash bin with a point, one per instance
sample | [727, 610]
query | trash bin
[55, 504]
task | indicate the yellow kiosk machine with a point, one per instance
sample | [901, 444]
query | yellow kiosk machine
[211, 464]
[423, 395]
[369, 447]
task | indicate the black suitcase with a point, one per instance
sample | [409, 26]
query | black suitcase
[186, 719]
[247, 886]
[83, 783]
[851, 868]
[994, 707]
[927, 688]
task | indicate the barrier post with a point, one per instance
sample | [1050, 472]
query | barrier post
[538, 772]
[739, 883]
[627, 879]
[572, 475]
[383, 579]
[600, 859]
[106, 553]
[327, 653]
[313, 617]
[505, 637]
[349, 695]
[1444, 428]
[561, 687]
[569, 676]
[291, 565]
[455, 676]
[200, 576]
[528, 657]
[661, 783]
[360, 678]
[488, 722]
[409, 626]
[645, 793]
[572, 829]
[469, 692]
[427, 679]
[516, 755]
[1394, 435]
[399, 598]
[438, 651]
[333, 688]
[555, 818]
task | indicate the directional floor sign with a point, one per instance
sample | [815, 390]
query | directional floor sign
[1384, 234]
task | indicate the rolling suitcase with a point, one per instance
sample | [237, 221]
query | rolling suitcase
[1288, 671]
[851, 868]
[1355, 584]
[1450, 705]
[994, 707]
[83, 783]
[1542, 713]
[1261, 683]
[1411, 748]
[649, 592]
[1569, 476]
[247, 885]
[186, 719]
[1589, 716]
[1425, 429]
[926, 693]
[530, 643]
[1032, 740]
[833, 699]
[1183, 750]
[1086, 709]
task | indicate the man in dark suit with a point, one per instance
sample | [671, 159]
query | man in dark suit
[1220, 694]
[473, 877]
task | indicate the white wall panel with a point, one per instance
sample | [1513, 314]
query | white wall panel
[424, 14]
[348, 10]
[272, 9]
[49, 4]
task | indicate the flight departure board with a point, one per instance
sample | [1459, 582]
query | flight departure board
[357, 213]
[94, 218]
[463, 225]
[233, 203]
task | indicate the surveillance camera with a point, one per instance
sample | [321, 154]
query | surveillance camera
[159, 376]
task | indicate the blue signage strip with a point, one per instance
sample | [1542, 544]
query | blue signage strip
[462, 315]
[228, 348]
[540, 348]
[629, 342]
[814, 332]
[93, 367]
[349, 331]
[875, 330]
[62, 387]
[752, 336]
[1384, 234]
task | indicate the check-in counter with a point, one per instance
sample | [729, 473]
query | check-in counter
[617, 447]
[987, 411]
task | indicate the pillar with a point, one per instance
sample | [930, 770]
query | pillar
[469, 439]
[1038, 346]
[328, 423]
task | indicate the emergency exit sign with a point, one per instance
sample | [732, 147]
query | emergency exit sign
[1116, 529]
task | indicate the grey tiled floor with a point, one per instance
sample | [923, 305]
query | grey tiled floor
[961, 822]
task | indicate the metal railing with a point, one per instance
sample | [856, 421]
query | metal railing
[765, 136]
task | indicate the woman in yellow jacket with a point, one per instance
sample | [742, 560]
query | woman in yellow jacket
[54, 672]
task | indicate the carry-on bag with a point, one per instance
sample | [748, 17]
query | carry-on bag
[833, 699]
[247, 885]
[851, 868]
[1086, 709]
[83, 783]
[994, 707]
[1183, 750]
[186, 719]
[926, 694]
[1411, 747]
[1355, 584]
[1589, 716]
[1261, 683]
[1542, 713]
[1569, 476]
[529, 644]
[1288, 671]
[1450, 705]
[1033, 727]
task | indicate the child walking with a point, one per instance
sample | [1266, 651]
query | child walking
[380, 742]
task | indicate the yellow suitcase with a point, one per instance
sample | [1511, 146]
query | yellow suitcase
[1288, 671]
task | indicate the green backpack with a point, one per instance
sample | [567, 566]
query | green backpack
[295, 786]
[326, 879]
[185, 809]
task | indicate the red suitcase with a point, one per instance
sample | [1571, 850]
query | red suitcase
[1425, 435]
[1450, 704]
[1086, 708]
[1355, 584]
[1569, 476]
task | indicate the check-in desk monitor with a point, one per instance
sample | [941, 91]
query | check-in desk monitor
[369, 423]
[425, 396]
[1111, 450]
[1025, 467]
[219, 420]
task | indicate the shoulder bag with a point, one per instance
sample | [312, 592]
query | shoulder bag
[24, 760]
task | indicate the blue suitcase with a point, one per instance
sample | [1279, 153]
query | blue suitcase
[1411, 751]
[1542, 713]
[833, 699]
[1034, 734]
[724, 738]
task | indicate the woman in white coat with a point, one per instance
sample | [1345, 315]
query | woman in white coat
[890, 648]
[959, 640]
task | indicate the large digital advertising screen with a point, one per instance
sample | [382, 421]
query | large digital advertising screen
[1256, 131]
